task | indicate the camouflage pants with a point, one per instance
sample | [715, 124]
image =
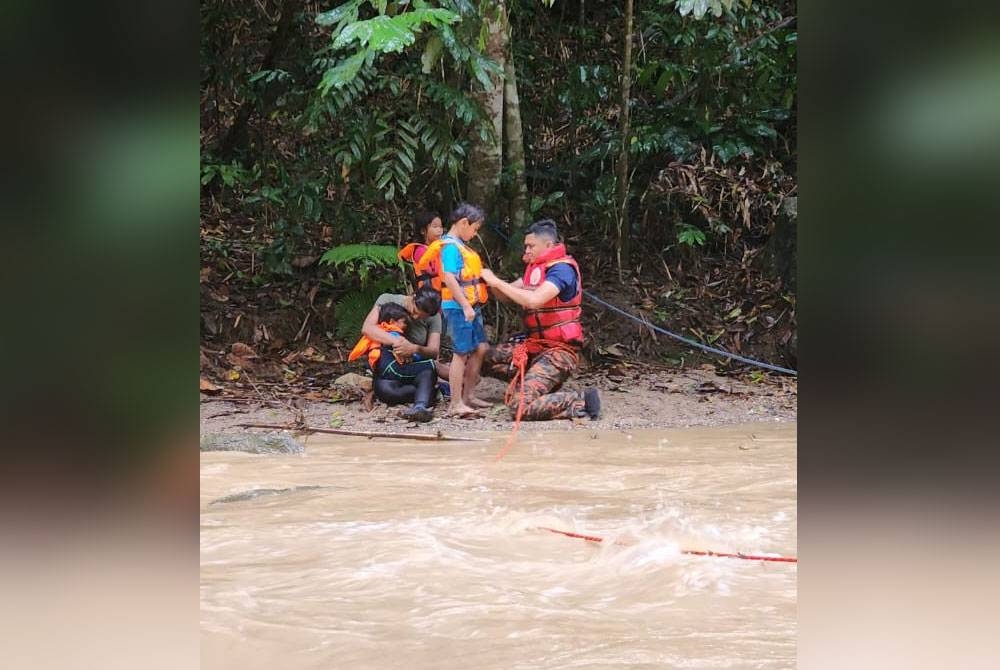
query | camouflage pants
[543, 377]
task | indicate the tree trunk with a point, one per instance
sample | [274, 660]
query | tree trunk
[779, 252]
[514, 140]
[236, 136]
[622, 249]
[486, 156]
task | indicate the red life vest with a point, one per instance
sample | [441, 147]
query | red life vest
[366, 345]
[555, 320]
[412, 253]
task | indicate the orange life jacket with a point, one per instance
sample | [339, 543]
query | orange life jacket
[366, 345]
[555, 320]
[412, 253]
[470, 279]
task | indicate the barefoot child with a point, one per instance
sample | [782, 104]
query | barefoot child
[462, 295]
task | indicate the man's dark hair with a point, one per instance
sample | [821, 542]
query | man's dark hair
[392, 311]
[466, 211]
[427, 300]
[421, 221]
[546, 228]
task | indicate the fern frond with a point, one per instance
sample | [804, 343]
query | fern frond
[379, 254]
[365, 259]
[351, 310]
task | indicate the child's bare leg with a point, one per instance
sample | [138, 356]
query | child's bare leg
[472, 377]
[444, 371]
[455, 378]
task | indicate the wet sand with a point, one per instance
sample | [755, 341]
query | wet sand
[657, 400]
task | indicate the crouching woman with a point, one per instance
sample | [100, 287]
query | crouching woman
[405, 369]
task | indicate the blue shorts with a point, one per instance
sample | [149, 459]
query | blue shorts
[465, 335]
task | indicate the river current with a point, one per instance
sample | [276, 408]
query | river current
[389, 553]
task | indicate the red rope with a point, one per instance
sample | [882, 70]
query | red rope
[692, 552]
[519, 359]
[533, 346]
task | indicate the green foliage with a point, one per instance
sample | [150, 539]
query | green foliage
[367, 113]
[690, 235]
[269, 76]
[455, 102]
[713, 90]
[650, 140]
[352, 309]
[465, 42]
[362, 259]
[344, 72]
[385, 34]
[372, 37]
[427, 124]
[396, 159]
[432, 53]
[539, 202]
[698, 8]
[277, 255]
[724, 83]
[276, 202]
[229, 173]
[340, 15]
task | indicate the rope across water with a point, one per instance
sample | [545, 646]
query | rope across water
[692, 343]
[690, 552]
[680, 338]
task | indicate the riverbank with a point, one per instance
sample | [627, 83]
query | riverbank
[636, 397]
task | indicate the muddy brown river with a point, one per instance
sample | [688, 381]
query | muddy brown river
[406, 554]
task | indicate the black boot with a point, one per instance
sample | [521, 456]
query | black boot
[592, 403]
[417, 413]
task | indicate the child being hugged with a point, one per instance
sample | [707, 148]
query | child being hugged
[408, 375]
[392, 318]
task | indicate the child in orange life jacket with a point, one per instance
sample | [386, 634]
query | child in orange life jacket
[428, 228]
[392, 318]
[462, 294]
[406, 376]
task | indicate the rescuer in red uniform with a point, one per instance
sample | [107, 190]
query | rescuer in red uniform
[551, 293]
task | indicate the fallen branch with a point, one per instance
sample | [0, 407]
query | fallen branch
[437, 437]
[242, 399]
